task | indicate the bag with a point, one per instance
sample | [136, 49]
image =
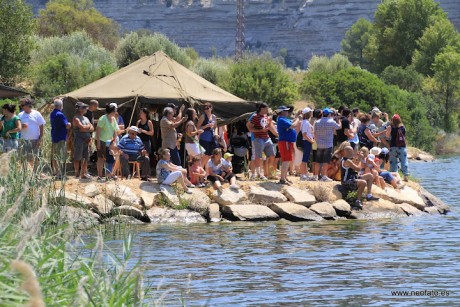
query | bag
[400, 138]
[299, 141]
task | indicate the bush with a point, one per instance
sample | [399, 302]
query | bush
[215, 71]
[328, 65]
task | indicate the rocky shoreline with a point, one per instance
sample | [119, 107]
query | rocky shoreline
[85, 204]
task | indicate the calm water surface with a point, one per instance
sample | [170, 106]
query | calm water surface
[343, 263]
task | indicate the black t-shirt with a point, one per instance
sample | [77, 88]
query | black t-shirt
[341, 137]
[89, 114]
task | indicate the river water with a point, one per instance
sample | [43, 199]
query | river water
[342, 263]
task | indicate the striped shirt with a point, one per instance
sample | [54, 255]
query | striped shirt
[260, 122]
[131, 146]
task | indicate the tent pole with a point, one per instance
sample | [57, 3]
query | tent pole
[132, 113]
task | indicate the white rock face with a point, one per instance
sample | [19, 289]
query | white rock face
[129, 211]
[229, 197]
[214, 213]
[122, 195]
[405, 195]
[325, 210]
[249, 213]
[167, 215]
[79, 217]
[92, 190]
[103, 204]
[298, 196]
[341, 207]
[149, 192]
[73, 199]
[294, 212]
[259, 195]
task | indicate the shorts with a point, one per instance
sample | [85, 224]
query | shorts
[58, 151]
[10, 144]
[30, 149]
[81, 149]
[102, 151]
[194, 149]
[228, 176]
[350, 184]
[324, 155]
[314, 156]
[212, 178]
[208, 146]
[277, 151]
[306, 150]
[263, 146]
[387, 176]
[286, 150]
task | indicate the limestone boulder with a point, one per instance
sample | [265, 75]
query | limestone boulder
[404, 195]
[325, 210]
[122, 219]
[131, 211]
[380, 209]
[298, 196]
[433, 201]
[149, 192]
[261, 195]
[229, 197]
[79, 218]
[411, 210]
[432, 210]
[102, 204]
[169, 195]
[214, 213]
[197, 201]
[168, 215]
[294, 212]
[92, 190]
[248, 213]
[123, 196]
[342, 208]
[76, 200]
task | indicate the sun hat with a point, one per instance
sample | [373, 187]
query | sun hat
[306, 110]
[385, 150]
[371, 157]
[227, 155]
[134, 128]
[375, 151]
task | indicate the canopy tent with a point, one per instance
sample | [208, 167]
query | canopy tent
[10, 92]
[158, 80]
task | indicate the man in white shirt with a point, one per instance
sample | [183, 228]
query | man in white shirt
[32, 130]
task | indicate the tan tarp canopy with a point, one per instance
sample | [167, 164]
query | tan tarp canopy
[158, 80]
[10, 92]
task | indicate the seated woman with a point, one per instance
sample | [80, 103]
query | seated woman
[168, 173]
[215, 168]
[333, 169]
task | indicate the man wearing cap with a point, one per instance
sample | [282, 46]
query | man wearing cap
[106, 133]
[169, 134]
[132, 149]
[82, 131]
[33, 125]
[287, 137]
[59, 127]
[324, 136]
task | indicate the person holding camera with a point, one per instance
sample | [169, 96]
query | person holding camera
[169, 135]
[208, 139]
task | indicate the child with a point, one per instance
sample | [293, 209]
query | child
[368, 167]
[333, 169]
[197, 172]
[227, 167]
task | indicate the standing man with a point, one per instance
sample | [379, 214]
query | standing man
[82, 131]
[59, 127]
[106, 133]
[287, 137]
[169, 134]
[32, 131]
[324, 136]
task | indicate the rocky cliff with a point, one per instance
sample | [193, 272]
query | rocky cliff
[302, 27]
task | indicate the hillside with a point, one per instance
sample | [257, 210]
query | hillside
[303, 27]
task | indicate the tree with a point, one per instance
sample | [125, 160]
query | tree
[63, 17]
[144, 43]
[213, 70]
[405, 78]
[435, 38]
[63, 64]
[398, 24]
[447, 76]
[16, 29]
[261, 78]
[330, 65]
[356, 40]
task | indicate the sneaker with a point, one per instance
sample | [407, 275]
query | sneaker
[358, 205]
[253, 177]
[283, 182]
[88, 175]
[100, 179]
[188, 191]
[303, 178]
[234, 187]
[191, 186]
[314, 178]
[372, 197]
[144, 179]
[85, 177]
[262, 177]
[326, 179]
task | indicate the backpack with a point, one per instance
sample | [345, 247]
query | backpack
[400, 138]
[363, 139]
[299, 141]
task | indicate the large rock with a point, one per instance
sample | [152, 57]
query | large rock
[433, 201]
[342, 208]
[71, 199]
[79, 218]
[249, 213]
[405, 195]
[122, 219]
[123, 196]
[432, 210]
[294, 212]
[214, 213]
[325, 210]
[92, 190]
[167, 215]
[149, 193]
[411, 210]
[380, 209]
[298, 196]
[102, 204]
[168, 195]
[260, 195]
[230, 197]
[131, 211]
[197, 201]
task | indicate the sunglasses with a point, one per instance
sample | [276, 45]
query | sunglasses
[207, 107]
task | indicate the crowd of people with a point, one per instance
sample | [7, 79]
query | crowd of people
[358, 149]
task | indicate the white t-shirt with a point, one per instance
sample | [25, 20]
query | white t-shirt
[226, 163]
[33, 120]
[307, 128]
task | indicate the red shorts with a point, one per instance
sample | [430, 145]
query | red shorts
[286, 150]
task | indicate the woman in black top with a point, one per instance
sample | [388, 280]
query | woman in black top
[145, 126]
[398, 151]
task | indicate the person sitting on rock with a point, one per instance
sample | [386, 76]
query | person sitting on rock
[227, 168]
[214, 169]
[351, 181]
[168, 172]
[197, 172]
[132, 149]
[333, 169]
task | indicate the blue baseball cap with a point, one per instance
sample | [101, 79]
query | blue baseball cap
[327, 111]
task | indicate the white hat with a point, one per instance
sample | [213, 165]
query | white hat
[385, 150]
[375, 151]
[134, 128]
[306, 110]
[371, 157]
[113, 104]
